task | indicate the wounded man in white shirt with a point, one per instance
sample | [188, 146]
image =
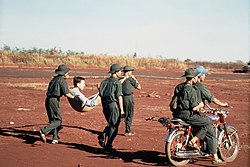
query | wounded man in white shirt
[82, 103]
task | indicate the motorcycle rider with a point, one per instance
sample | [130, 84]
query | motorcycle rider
[203, 93]
[188, 105]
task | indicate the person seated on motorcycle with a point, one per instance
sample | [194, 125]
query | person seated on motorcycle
[205, 95]
[188, 105]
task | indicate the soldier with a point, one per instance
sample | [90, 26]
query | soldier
[187, 105]
[204, 91]
[204, 94]
[56, 89]
[110, 92]
[129, 83]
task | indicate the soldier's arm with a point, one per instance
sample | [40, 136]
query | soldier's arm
[120, 102]
[69, 95]
[200, 105]
[139, 85]
[218, 102]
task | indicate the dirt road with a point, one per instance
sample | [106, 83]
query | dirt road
[22, 114]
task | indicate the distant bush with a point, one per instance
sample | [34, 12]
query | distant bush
[47, 57]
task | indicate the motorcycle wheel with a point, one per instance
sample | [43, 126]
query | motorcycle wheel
[229, 153]
[173, 146]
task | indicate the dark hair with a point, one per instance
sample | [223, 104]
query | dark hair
[189, 78]
[77, 80]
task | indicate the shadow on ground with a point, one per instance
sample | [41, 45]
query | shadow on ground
[141, 157]
[145, 157]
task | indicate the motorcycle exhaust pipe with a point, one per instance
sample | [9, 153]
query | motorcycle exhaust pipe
[188, 154]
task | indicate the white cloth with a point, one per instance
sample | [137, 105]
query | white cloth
[85, 101]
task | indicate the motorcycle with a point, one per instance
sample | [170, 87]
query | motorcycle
[180, 133]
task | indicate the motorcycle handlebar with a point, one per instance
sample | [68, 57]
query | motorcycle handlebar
[217, 110]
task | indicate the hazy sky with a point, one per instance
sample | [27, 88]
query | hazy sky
[200, 30]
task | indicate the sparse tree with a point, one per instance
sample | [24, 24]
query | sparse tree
[6, 48]
[188, 61]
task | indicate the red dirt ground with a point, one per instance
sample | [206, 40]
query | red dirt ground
[23, 114]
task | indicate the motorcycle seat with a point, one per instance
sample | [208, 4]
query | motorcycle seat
[180, 121]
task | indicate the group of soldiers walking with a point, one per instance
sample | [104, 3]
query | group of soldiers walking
[117, 98]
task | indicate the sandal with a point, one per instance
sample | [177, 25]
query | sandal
[219, 162]
[193, 145]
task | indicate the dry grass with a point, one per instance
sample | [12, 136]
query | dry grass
[46, 58]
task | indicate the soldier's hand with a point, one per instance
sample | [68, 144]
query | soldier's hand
[226, 104]
[201, 110]
[123, 117]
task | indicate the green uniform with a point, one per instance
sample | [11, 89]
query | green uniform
[109, 91]
[186, 102]
[57, 88]
[204, 94]
[128, 87]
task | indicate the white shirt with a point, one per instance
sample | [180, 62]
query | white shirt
[85, 101]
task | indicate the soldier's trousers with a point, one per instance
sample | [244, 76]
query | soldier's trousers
[112, 115]
[128, 106]
[203, 123]
[211, 140]
[196, 120]
[54, 115]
